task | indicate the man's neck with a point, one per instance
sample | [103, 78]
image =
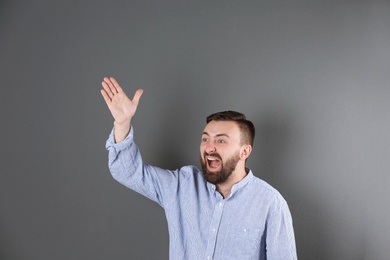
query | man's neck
[225, 188]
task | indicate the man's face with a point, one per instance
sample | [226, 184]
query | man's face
[220, 150]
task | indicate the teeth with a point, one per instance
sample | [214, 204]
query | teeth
[211, 158]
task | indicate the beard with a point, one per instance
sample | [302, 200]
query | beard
[225, 172]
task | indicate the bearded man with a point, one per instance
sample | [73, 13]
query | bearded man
[221, 212]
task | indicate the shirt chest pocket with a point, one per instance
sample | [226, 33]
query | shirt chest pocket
[242, 241]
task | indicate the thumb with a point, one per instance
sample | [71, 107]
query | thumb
[137, 96]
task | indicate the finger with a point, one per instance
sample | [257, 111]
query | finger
[110, 85]
[116, 84]
[107, 89]
[137, 96]
[105, 96]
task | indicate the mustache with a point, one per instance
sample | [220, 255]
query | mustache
[216, 155]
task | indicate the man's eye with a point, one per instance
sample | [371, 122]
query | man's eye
[221, 141]
[204, 139]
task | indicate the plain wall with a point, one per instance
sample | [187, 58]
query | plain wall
[313, 76]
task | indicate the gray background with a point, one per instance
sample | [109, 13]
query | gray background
[312, 75]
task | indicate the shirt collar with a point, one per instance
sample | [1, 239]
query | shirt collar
[236, 187]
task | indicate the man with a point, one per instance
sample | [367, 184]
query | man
[222, 212]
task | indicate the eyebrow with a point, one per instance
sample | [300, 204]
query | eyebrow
[217, 135]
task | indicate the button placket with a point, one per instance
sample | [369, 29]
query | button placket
[214, 227]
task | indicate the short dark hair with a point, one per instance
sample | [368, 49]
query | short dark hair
[247, 128]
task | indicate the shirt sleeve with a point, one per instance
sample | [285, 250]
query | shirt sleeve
[127, 167]
[280, 241]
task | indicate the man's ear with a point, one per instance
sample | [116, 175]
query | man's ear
[245, 151]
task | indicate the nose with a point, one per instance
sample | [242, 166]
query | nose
[210, 148]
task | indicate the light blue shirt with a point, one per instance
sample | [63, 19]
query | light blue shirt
[253, 222]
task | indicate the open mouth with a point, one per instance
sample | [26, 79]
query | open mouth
[213, 162]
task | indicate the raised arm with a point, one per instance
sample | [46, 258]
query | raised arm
[121, 107]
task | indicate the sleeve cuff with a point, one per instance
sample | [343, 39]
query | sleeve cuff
[117, 147]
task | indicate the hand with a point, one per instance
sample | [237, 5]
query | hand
[121, 107]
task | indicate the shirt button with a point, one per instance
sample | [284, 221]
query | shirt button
[245, 230]
[214, 230]
[208, 257]
[220, 204]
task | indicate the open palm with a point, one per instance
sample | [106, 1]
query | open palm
[121, 107]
